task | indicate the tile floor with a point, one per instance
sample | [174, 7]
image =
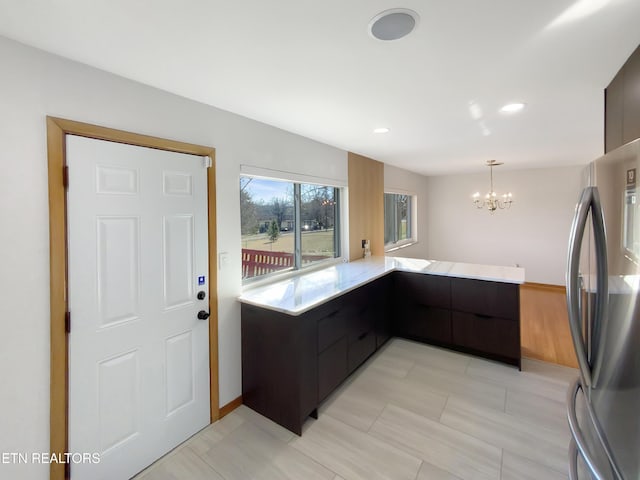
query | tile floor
[411, 412]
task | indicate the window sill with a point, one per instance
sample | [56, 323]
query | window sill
[274, 277]
[399, 246]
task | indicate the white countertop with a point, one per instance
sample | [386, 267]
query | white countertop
[305, 291]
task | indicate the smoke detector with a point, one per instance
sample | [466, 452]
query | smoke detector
[393, 24]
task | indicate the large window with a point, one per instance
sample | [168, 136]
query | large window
[398, 226]
[287, 226]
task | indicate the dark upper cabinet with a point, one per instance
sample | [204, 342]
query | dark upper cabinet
[631, 101]
[613, 112]
[622, 105]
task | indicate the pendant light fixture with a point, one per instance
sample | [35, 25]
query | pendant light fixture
[492, 201]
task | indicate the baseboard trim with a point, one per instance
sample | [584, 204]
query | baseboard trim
[230, 407]
[544, 286]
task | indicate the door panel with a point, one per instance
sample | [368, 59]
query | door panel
[138, 355]
[118, 399]
[178, 260]
[118, 269]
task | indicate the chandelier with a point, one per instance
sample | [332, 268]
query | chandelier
[491, 200]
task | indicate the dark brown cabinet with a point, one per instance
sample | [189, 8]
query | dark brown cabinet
[486, 318]
[292, 363]
[422, 307]
[622, 105]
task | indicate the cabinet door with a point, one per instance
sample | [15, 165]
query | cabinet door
[427, 324]
[333, 326]
[332, 368]
[491, 335]
[494, 299]
[631, 99]
[429, 290]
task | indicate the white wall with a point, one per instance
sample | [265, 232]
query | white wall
[533, 233]
[34, 84]
[397, 180]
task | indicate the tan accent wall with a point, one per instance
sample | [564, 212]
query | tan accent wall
[366, 205]
[544, 324]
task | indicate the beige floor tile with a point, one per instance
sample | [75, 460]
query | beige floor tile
[183, 464]
[355, 406]
[431, 472]
[427, 355]
[439, 445]
[409, 393]
[541, 410]
[264, 423]
[484, 393]
[515, 467]
[520, 436]
[531, 379]
[214, 433]
[354, 455]
[249, 452]
[390, 363]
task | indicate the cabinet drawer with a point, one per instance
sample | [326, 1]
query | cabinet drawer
[332, 368]
[496, 336]
[332, 327]
[425, 323]
[361, 349]
[495, 299]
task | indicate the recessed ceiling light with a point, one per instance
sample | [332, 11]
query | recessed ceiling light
[393, 24]
[512, 107]
[381, 130]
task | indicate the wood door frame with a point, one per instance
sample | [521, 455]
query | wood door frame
[57, 129]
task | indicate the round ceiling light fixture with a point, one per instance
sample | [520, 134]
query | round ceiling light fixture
[393, 24]
[381, 130]
[513, 107]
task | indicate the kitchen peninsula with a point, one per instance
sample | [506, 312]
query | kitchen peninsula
[303, 336]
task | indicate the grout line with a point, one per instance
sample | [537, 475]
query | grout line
[501, 461]
[419, 468]
[379, 415]
[506, 393]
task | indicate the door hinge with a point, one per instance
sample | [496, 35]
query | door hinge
[206, 162]
[65, 177]
[67, 322]
[67, 471]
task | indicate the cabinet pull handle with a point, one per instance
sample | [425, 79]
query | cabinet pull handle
[482, 315]
[362, 335]
[333, 314]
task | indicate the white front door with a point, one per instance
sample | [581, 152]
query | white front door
[138, 262]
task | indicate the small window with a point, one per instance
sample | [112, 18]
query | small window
[286, 226]
[398, 226]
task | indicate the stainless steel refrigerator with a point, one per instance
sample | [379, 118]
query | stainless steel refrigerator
[603, 280]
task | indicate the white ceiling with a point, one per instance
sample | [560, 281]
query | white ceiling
[310, 67]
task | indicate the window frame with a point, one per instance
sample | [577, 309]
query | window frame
[412, 218]
[338, 235]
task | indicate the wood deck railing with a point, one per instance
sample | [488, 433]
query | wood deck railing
[261, 262]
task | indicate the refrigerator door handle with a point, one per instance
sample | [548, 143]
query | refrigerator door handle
[602, 284]
[578, 439]
[573, 288]
[573, 460]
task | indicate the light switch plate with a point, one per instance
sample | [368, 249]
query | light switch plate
[223, 260]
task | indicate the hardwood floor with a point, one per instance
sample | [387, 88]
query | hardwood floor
[544, 326]
[411, 412]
